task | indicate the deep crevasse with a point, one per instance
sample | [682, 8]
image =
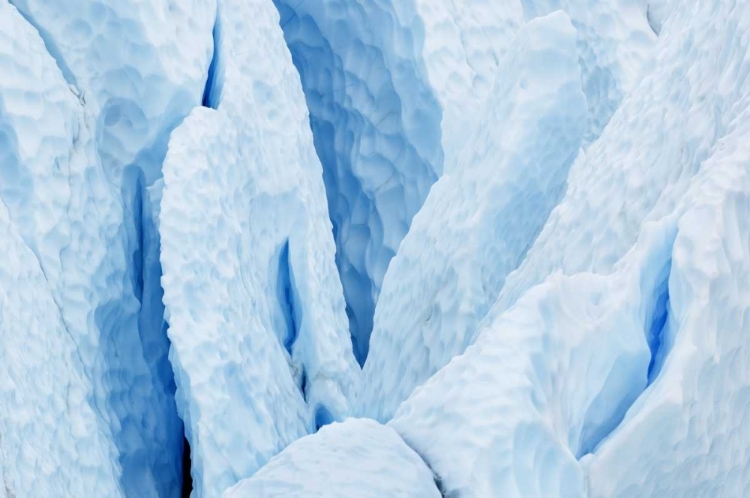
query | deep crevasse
[78, 202]
[376, 125]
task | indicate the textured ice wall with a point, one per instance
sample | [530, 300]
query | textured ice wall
[691, 425]
[545, 382]
[389, 104]
[479, 221]
[656, 142]
[260, 345]
[140, 67]
[660, 223]
[376, 125]
[62, 263]
[356, 458]
[145, 63]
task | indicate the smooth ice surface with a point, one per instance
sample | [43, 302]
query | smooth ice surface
[614, 42]
[464, 43]
[478, 222]
[358, 457]
[376, 124]
[260, 345]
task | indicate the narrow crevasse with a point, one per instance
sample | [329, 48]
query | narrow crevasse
[187, 477]
[285, 294]
[98, 246]
[376, 127]
[212, 90]
[658, 325]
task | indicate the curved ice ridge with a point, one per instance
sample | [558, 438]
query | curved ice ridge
[358, 457]
[479, 221]
[260, 346]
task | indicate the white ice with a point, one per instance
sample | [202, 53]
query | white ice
[478, 222]
[356, 458]
[260, 345]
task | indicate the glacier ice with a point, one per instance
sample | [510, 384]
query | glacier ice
[75, 194]
[614, 42]
[464, 43]
[478, 222]
[688, 435]
[55, 433]
[392, 108]
[358, 457]
[658, 224]
[544, 383]
[376, 124]
[260, 345]
[527, 219]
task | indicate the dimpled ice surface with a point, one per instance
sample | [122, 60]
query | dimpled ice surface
[366, 248]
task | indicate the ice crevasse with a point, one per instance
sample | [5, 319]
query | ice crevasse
[374, 248]
[88, 404]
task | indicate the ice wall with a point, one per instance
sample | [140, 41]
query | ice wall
[478, 222]
[58, 215]
[376, 125]
[687, 435]
[260, 345]
[545, 382]
[464, 44]
[614, 41]
[138, 67]
[624, 378]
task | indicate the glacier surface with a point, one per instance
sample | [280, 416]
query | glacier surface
[512, 237]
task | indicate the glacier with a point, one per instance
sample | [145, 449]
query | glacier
[374, 248]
